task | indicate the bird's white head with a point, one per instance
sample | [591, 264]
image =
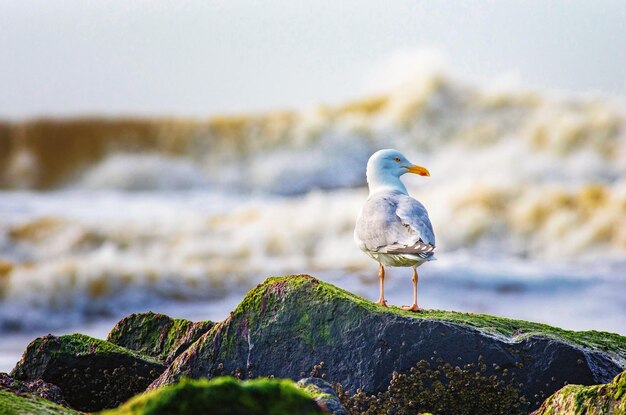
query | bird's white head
[385, 167]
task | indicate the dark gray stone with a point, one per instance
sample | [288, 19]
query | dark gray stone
[287, 325]
[93, 374]
[157, 335]
[32, 388]
[325, 395]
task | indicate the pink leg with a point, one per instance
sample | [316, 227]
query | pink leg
[413, 307]
[381, 279]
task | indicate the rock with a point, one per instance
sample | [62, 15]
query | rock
[287, 325]
[588, 400]
[93, 374]
[37, 388]
[27, 404]
[324, 395]
[157, 335]
[223, 396]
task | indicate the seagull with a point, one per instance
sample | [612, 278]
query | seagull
[393, 228]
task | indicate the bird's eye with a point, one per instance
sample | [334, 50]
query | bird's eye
[397, 159]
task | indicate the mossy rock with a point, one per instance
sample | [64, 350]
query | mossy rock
[157, 335]
[37, 388]
[12, 404]
[607, 399]
[223, 396]
[286, 325]
[93, 374]
[324, 395]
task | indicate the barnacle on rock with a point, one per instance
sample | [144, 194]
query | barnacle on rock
[441, 389]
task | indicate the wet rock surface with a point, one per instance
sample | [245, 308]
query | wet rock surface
[92, 374]
[157, 335]
[32, 388]
[324, 395]
[285, 328]
[287, 325]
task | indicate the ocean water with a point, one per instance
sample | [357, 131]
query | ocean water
[527, 195]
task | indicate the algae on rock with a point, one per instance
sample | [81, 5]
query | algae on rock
[286, 325]
[37, 388]
[93, 374]
[223, 396]
[27, 404]
[157, 335]
[607, 399]
[27, 398]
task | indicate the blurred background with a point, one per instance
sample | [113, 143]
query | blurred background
[169, 156]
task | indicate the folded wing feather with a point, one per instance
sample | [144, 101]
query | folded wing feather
[395, 223]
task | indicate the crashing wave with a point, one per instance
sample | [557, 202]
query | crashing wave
[514, 175]
[435, 120]
[143, 172]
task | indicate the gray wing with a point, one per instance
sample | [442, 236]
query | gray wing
[414, 215]
[395, 223]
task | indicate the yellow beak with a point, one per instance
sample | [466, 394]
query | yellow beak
[415, 169]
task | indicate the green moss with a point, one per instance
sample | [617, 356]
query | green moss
[303, 328]
[223, 395]
[140, 332]
[257, 299]
[324, 333]
[93, 374]
[81, 345]
[230, 340]
[12, 404]
[316, 392]
[157, 335]
[588, 400]
[176, 332]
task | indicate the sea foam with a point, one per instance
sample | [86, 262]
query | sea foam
[142, 211]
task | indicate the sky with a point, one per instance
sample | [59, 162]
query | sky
[198, 58]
